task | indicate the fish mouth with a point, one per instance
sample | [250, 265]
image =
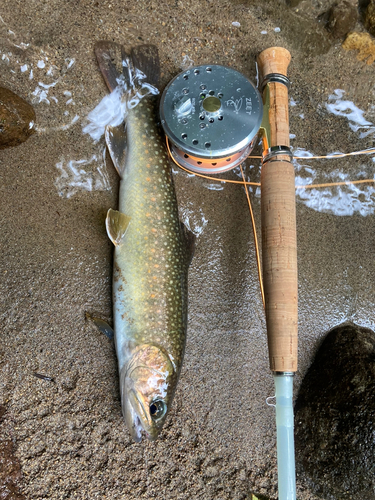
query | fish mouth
[133, 410]
[137, 419]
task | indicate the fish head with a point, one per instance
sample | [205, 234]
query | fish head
[147, 384]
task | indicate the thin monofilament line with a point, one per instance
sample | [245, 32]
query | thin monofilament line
[255, 240]
[307, 186]
[330, 156]
[246, 183]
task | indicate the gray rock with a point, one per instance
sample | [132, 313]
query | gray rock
[342, 18]
[335, 416]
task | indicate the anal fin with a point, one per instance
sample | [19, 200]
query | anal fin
[116, 223]
[190, 240]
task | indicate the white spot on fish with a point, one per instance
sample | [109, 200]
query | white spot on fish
[41, 64]
[24, 68]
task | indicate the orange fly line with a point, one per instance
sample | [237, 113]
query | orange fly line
[308, 186]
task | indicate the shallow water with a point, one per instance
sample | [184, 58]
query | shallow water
[219, 441]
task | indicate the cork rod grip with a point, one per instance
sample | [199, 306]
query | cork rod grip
[279, 239]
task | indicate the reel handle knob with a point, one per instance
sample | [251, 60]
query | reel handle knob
[278, 209]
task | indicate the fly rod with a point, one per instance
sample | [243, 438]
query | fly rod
[279, 255]
[211, 116]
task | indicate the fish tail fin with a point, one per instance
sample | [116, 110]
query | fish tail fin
[136, 72]
[146, 59]
[109, 57]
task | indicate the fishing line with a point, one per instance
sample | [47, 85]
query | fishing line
[246, 183]
[307, 186]
[255, 240]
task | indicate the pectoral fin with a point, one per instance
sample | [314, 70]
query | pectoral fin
[116, 140]
[116, 223]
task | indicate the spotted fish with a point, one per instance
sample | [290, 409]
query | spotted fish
[153, 249]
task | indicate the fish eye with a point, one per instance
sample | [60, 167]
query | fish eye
[157, 409]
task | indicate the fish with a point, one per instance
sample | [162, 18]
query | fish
[153, 249]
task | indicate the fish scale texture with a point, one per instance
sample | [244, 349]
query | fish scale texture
[150, 275]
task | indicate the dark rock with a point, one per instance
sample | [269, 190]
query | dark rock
[341, 18]
[293, 3]
[305, 34]
[17, 119]
[369, 20]
[335, 416]
[10, 472]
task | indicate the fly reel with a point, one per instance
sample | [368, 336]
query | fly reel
[211, 115]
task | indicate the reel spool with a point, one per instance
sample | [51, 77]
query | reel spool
[211, 114]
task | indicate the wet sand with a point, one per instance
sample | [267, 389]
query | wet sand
[56, 259]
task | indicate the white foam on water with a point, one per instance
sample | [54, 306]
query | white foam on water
[215, 186]
[40, 96]
[110, 111]
[341, 107]
[344, 200]
[193, 218]
[187, 63]
[114, 107]
[79, 175]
